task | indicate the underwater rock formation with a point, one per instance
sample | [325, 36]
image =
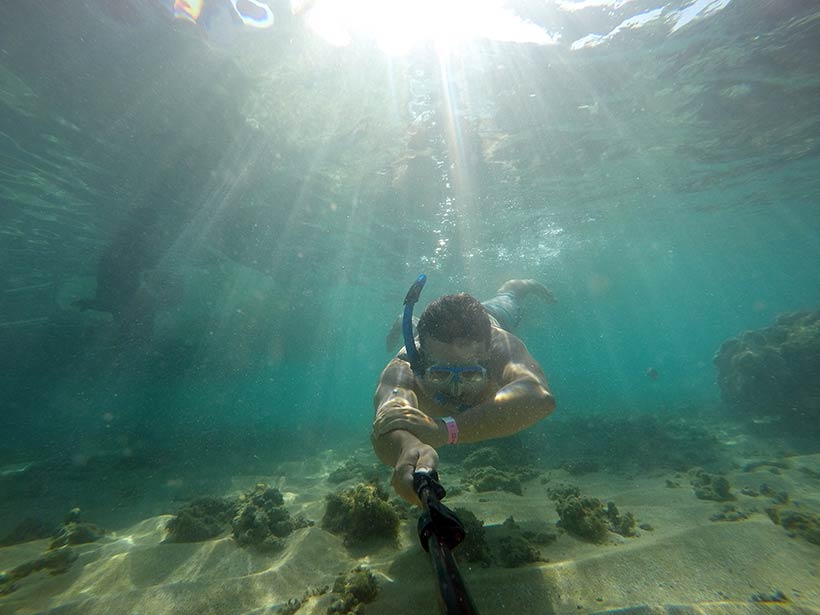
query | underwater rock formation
[57, 561]
[586, 517]
[773, 370]
[356, 588]
[491, 468]
[562, 490]
[509, 544]
[711, 487]
[75, 532]
[59, 556]
[516, 547]
[361, 515]
[583, 517]
[474, 547]
[796, 522]
[618, 523]
[490, 479]
[204, 518]
[515, 550]
[257, 519]
[485, 456]
[262, 521]
[730, 512]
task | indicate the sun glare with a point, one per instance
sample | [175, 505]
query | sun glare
[397, 26]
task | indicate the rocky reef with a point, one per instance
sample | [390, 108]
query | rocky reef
[711, 486]
[586, 517]
[56, 561]
[353, 590]
[517, 546]
[491, 479]
[257, 519]
[773, 371]
[262, 521]
[202, 519]
[474, 547]
[362, 515]
[796, 519]
[491, 468]
[510, 544]
[73, 531]
[60, 555]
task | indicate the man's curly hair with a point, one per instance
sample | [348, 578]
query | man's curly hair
[453, 317]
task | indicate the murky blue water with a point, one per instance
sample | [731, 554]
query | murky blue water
[656, 165]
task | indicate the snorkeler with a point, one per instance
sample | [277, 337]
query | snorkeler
[468, 379]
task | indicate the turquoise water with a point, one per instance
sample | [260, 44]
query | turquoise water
[657, 166]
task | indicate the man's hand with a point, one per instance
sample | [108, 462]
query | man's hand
[426, 428]
[417, 458]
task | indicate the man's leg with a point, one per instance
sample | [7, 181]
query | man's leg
[505, 307]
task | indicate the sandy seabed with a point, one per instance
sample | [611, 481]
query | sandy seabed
[686, 563]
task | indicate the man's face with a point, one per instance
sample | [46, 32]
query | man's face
[457, 369]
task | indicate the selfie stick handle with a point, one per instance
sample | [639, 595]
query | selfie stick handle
[440, 530]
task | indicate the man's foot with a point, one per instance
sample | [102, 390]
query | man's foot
[521, 288]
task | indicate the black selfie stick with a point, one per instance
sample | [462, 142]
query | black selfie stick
[440, 530]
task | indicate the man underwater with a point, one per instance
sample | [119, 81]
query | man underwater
[467, 380]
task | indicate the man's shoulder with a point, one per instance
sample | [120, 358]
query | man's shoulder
[507, 349]
[503, 343]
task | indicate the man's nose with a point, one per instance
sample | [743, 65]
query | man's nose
[455, 385]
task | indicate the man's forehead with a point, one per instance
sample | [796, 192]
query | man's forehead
[456, 350]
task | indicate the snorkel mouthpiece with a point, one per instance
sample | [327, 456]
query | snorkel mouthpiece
[407, 321]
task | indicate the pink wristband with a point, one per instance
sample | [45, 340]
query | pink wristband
[452, 429]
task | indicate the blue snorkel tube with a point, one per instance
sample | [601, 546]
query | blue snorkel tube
[407, 322]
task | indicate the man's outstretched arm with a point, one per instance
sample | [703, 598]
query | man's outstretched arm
[399, 448]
